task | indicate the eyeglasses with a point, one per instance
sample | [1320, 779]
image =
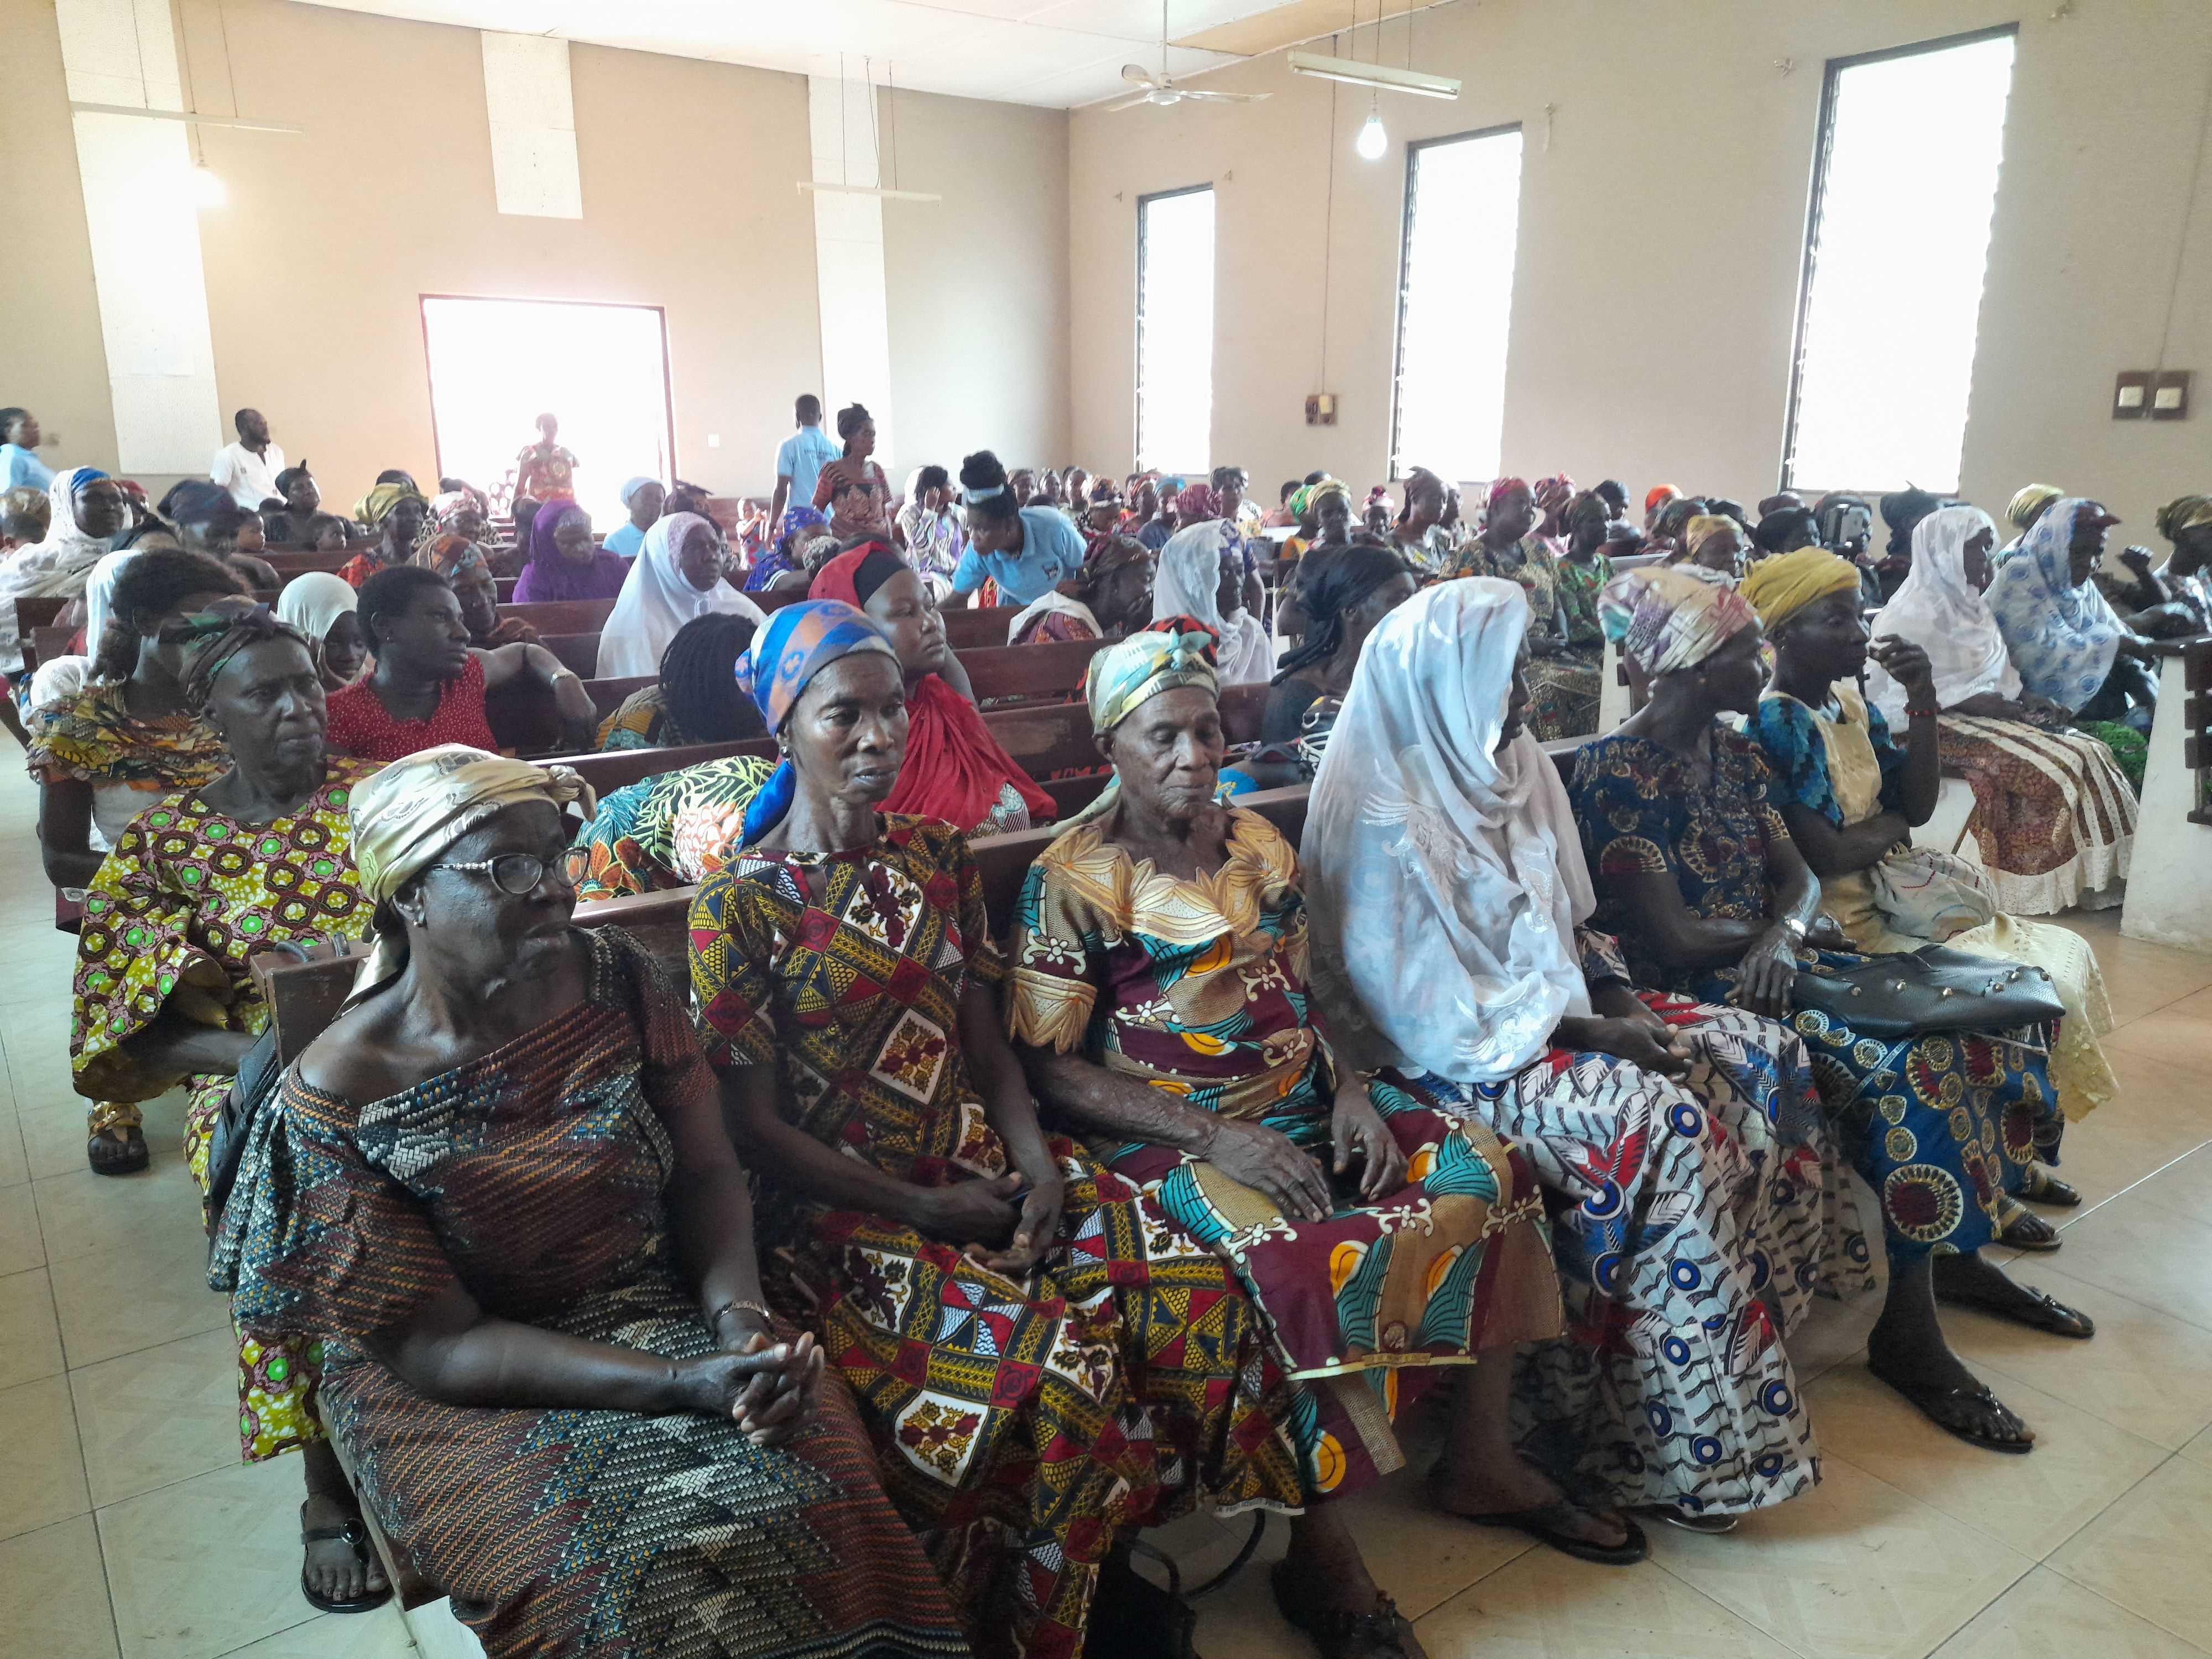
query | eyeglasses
[517, 874]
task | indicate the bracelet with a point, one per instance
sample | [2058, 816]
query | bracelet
[1795, 928]
[1911, 713]
[715, 1318]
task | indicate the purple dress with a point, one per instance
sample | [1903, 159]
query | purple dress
[549, 576]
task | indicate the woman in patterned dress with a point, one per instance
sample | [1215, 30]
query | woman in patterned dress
[956, 771]
[497, 1191]
[2054, 815]
[1850, 794]
[667, 831]
[260, 855]
[1700, 1199]
[1160, 995]
[117, 746]
[1562, 672]
[1700, 880]
[1044, 1364]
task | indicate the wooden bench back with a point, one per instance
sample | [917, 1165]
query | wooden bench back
[561, 615]
[289, 562]
[303, 998]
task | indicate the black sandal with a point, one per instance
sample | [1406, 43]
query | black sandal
[1952, 1411]
[2043, 1311]
[352, 1533]
[1547, 1523]
[134, 1157]
[2028, 1231]
[2045, 1187]
[1381, 1632]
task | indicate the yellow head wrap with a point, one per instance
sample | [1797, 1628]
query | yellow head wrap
[2184, 513]
[1704, 527]
[2028, 504]
[405, 817]
[375, 506]
[1779, 587]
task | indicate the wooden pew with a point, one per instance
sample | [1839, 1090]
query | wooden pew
[578, 653]
[561, 615]
[32, 614]
[1043, 740]
[295, 563]
[2165, 901]
[607, 695]
[1007, 673]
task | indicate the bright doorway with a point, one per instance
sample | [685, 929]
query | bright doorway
[496, 365]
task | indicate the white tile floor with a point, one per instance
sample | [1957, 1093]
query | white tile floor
[128, 1527]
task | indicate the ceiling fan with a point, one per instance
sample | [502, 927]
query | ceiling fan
[1162, 89]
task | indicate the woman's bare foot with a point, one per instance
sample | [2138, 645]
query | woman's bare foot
[336, 1570]
[1514, 1486]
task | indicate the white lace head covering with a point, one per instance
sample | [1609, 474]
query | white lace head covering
[1444, 875]
[656, 600]
[1945, 615]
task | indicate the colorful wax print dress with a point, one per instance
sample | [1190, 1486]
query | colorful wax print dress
[1020, 1426]
[170, 923]
[535, 1178]
[1939, 1124]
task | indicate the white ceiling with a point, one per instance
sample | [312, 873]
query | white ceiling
[1056, 53]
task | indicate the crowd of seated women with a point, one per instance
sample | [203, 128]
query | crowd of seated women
[874, 1290]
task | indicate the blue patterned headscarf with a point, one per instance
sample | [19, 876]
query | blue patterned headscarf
[799, 641]
[2062, 639]
[1174, 651]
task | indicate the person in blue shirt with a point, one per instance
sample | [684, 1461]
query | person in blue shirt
[1026, 551]
[799, 462]
[643, 497]
[18, 465]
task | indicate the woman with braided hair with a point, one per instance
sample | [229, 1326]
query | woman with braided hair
[1343, 593]
[697, 698]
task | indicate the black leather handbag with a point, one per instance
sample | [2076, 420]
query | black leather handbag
[258, 1074]
[1935, 988]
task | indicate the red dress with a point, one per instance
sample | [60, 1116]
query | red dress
[360, 724]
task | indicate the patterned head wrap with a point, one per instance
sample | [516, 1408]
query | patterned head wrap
[213, 637]
[1703, 528]
[1555, 491]
[450, 555]
[1307, 499]
[405, 817]
[1779, 587]
[1667, 617]
[449, 504]
[2029, 502]
[797, 520]
[799, 641]
[1500, 489]
[2184, 513]
[1174, 651]
[1198, 502]
[373, 509]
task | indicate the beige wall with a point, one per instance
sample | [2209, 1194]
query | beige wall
[688, 172]
[1661, 237]
[978, 285]
[51, 361]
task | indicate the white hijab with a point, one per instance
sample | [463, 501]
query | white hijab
[656, 601]
[1945, 615]
[1444, 880]
[99, 599]
[312, 602]
[1189, 577]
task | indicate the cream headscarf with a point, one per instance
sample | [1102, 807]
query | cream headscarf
[312, 602]
[1444, 879]
[406, 816]
[656, 600]
[1187, 585]
[1945, 615]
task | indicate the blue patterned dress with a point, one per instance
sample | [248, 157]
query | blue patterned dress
[1939, 1125]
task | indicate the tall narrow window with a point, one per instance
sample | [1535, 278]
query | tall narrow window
[1455, 301]
[1896, 245]
[1175, 331]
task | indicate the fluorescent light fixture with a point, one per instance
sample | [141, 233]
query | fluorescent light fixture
[186, 116]
[1380, 76]
[871, 189]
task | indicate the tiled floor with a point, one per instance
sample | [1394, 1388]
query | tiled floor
[128, 1526]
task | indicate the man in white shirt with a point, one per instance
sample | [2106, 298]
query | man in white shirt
[248, 468]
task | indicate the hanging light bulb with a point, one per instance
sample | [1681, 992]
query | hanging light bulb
[1372, 140]
[208, 190]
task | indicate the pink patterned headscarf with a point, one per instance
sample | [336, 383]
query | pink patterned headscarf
[1500, 489]
[1671, 617]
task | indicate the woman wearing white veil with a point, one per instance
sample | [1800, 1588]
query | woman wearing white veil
[1705, 1196]
[675, 578]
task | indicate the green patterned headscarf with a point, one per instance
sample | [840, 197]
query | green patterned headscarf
[1172, 652]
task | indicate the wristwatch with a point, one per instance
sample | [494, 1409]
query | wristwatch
[1795, 928]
